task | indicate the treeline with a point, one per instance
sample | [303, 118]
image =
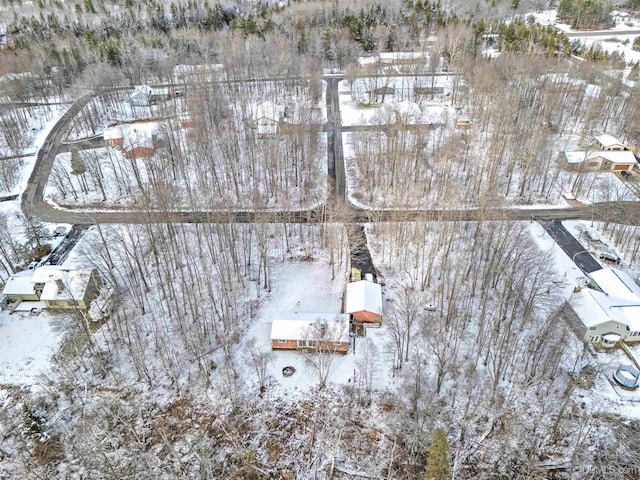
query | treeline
[586, 14]
[142, 40]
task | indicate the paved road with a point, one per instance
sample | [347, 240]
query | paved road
[32, 199]
[602, 33]
[583, 259]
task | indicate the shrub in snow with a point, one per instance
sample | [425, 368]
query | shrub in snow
[33, 423]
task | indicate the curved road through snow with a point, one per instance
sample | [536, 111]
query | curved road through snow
[33, 197]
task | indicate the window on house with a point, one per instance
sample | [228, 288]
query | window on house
[594, 339]
[282, 341]
[593, 328]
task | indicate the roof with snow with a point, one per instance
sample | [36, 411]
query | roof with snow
[112, 133]
[622, 157]
[616, 283]
[607, 140]
[19, 284]
[67, 285]
[48, 272]
[306, 326]
[364, 296]
[594, 308]
[141, 89]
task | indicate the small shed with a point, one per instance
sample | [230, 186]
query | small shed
[265, 119]
[364, 301]
[327, 332]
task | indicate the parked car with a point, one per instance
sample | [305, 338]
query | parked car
[610, 257]
[59, 231]
[626, 174]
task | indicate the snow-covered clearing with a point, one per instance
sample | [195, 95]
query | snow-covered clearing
[28, 344]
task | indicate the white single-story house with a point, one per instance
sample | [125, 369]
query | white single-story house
[328, 332]
[618, 17]
[599, 160]
[21, 287]
[598, 319]
[364, 301]
[611, 307]
[609, 142]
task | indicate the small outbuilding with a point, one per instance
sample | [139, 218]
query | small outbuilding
[364, 301]
[326, 332]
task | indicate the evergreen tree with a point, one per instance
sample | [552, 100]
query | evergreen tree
[437, 461]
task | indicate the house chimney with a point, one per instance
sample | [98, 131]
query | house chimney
[60, 285]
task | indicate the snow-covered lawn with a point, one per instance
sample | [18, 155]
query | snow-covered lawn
[28, 343]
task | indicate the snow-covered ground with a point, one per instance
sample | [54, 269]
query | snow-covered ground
[307, 287]
[619, 41]
[28, 344]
